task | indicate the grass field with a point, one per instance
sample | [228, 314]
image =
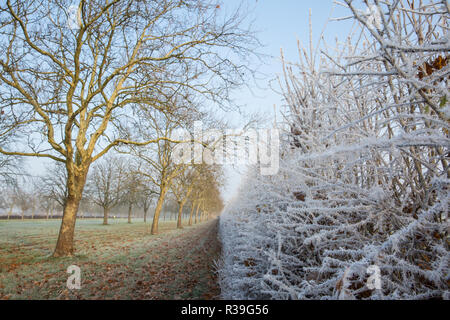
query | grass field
[118, 261]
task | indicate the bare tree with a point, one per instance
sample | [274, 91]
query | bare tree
[46, 204]
[8, 199]
[22, 198]
[133, 188]
[194, 205]
[9, 169]
[106, 184]
[53, 184]
[146, 197]
[67, 88]
[157, 164]
[201, 178]
[9, 165]
[182, 188]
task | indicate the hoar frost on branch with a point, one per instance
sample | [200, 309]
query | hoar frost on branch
[364, 172]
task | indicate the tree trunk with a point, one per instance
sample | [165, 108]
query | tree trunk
[105, 216]
[130, 207]
[75, 185]
[64, 246]
[158, 208]
[191, 214]
[145, 215]
[10, 211]
[196, 213]
[47, 213]
[202, 213]
[23, 214]
[180, 215]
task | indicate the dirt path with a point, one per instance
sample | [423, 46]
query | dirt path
[188, 272]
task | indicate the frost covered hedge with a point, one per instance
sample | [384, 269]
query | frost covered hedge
[290, 249]
[364, 175]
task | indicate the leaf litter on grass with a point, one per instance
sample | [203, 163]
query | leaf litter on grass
[117, 262]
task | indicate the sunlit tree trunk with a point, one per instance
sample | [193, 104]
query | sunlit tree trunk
[202, 212]
[105, 215]
[191, 214]
[162, 195]
[180, 214]
[146, 207]
[75, 186]
[196, 213]
[130, 208]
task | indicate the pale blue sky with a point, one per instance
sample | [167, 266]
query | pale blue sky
[279, 24]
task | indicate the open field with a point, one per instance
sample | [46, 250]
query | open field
[118, 261]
